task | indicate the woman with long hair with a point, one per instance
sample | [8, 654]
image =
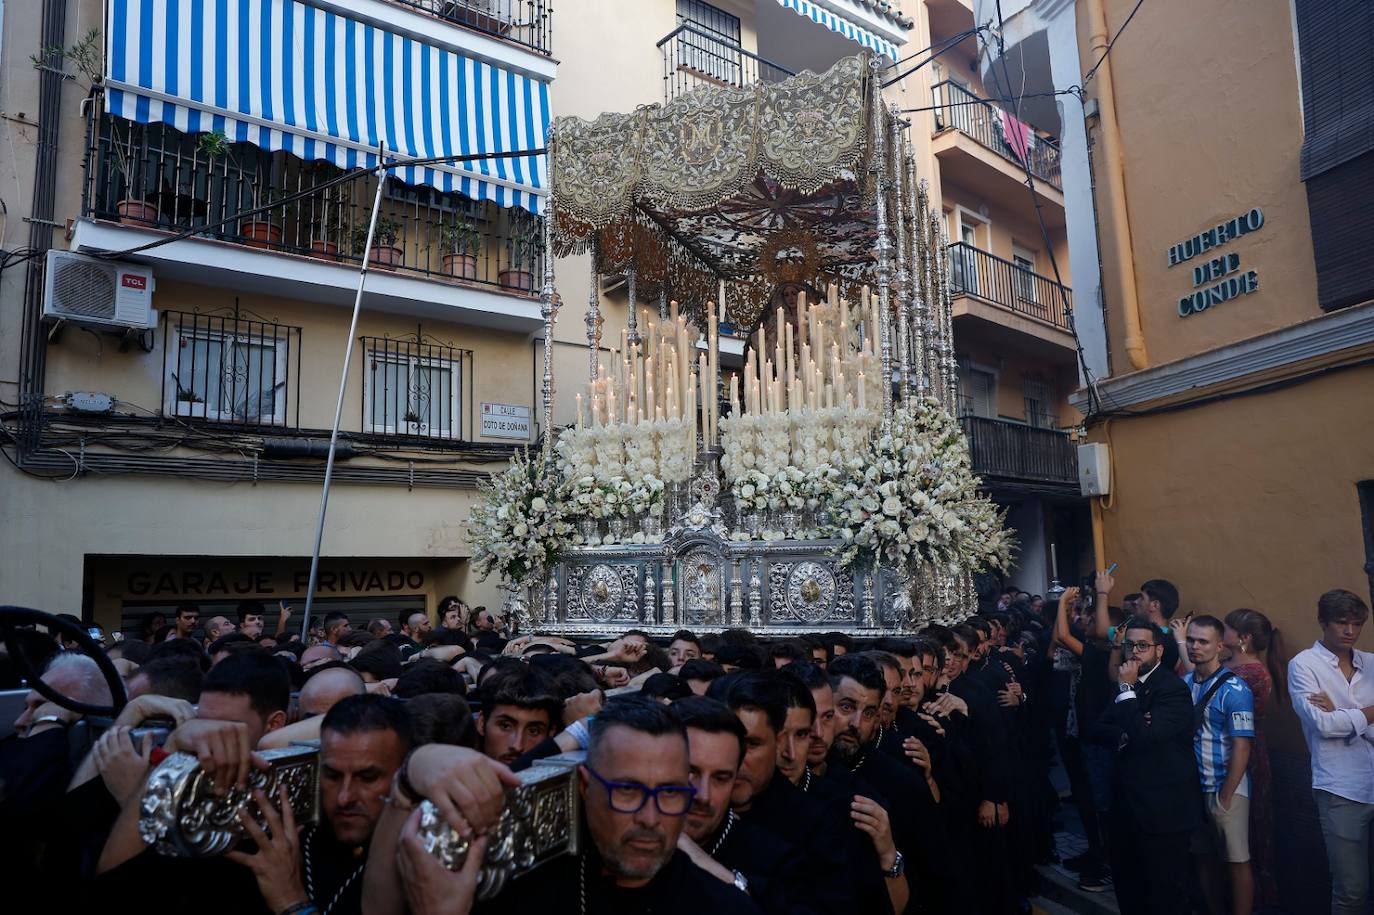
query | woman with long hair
[1258, 657]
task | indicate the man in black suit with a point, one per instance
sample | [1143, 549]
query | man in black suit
[1157, 802]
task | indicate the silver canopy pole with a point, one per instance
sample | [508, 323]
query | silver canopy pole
[343, 388]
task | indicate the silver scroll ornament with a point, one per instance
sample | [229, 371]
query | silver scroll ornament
[179, 816]
[539, 823]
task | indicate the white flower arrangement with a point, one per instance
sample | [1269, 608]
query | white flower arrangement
[676, 450]
[518, 526]
[911, 499]
[793, 460]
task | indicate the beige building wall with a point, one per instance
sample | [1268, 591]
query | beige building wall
[1247, 503]
[1193, 161]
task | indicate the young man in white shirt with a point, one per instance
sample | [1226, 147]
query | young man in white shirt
[1332, 687]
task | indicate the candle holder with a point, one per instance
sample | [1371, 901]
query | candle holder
[753, 524]
[616, 528]
[787, 521]
[591, 531]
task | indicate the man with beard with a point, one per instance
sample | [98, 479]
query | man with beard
[714, 836]
[858, 685]
[636, 796]
[520, 708]
[853, 793]
[1157, 802]
[847, 877]
[363, 741]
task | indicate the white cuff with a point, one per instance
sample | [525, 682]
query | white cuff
[1128, 694]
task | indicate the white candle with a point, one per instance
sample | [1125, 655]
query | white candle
[579, 411]
[862, 400]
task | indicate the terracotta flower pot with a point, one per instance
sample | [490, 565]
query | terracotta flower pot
[325, 249]
[386, 257]
[260, 234]
[137, 212]
[520, 280]
[463, 266]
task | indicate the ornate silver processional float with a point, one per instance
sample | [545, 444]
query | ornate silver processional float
[835, 493]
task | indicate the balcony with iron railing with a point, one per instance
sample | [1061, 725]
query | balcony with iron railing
[693, 56]
[151, 176]
[992, 127]
[976, 273]
[524, 22]
[1018, 452]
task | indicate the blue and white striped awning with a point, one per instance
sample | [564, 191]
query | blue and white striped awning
[283, 74]
[842, 26]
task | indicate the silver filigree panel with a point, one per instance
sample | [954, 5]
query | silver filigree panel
[701, 572]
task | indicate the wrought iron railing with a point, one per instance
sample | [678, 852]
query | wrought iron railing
[985, 122]
[152, 175]
[229, 368]
[693, 56]
[525, 22]
[975, 272]
[1015, 451]
[416, 389]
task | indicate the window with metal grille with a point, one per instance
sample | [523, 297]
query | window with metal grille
[413, 388]
[1039, 403]
[712, 45]
[228, 368]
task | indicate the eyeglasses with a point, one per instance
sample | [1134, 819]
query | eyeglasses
[630, 797]
[1137, 646]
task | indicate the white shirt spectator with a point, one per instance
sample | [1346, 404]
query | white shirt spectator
[1339, 741]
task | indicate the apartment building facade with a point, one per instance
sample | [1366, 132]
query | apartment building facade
[183, 460]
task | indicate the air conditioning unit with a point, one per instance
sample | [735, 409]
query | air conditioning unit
[100, 293]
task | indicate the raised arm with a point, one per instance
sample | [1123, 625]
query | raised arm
[1103, 619]
[1062, 633]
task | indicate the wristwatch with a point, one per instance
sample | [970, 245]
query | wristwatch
[1125, 687]
[898, 867]
[741, 882]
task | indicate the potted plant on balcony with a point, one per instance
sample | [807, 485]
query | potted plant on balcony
[415, 424]
[330, 232]
[526, 244]
[462, 243]
[385, 254]
[131, 208]
[259, 230]
[189, 403]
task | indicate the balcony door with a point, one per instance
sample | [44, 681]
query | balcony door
[964, 262]
[710, 46]
[977, 391]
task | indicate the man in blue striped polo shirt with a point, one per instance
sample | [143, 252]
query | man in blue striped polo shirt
[1225, 726]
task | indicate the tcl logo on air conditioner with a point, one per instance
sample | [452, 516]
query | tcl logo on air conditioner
[96, 292]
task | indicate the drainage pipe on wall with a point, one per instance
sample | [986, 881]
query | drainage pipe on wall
[1116, 186]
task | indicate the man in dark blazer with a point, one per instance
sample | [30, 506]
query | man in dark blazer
[1157, 802]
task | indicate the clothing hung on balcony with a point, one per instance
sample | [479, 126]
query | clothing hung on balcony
[1017, 134]
[841, 26]
[283, 74]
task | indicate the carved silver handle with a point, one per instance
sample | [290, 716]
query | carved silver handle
[539, 823]
[180, 817]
